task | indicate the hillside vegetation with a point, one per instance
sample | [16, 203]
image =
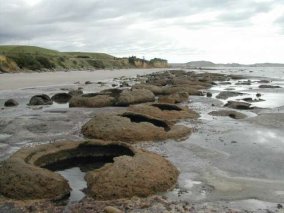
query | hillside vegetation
[15, 58]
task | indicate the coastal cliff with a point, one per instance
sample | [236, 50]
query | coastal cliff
[30, 58]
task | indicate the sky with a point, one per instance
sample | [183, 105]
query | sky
[222, 31]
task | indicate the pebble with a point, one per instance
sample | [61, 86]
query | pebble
[111, 209]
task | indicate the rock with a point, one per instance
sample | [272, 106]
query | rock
[168, 112]
[157, 90]
[248, 82]
[174, 98]
[135, 96]
[142, 175]
[252, 100]
[268, 86]
[96, 100]
[40, 100]
[238, 105]
[111, 209]
[263, 81]
[124, 84]
[248, 99]
[61, 97]
[11, 103]
[191, 90]
[132, 127]
[229, 113]
[258, 95]
[76, 92]
[209, 94]
[227, 94]
[225, 83]
[88, 82]
[28, 173]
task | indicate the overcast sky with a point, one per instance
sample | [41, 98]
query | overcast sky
[244, 31]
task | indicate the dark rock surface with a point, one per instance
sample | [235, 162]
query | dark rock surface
[238, 105]
[61, 97]
[40, 100]
[168, 112]
[227, 94]
[229, 113]
[11, 103]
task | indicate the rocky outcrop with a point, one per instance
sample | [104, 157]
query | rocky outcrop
[268, 86]
[135, 96]
[75, 92]
[132, 127]
[28, 173]
[229, 113]
[113, 97]
[61, 98]
[11, 103]
[40, 100]
[96, 100]
[174, 98]
[228, 94]
[168, 112]
[238, 105]
[141, 175]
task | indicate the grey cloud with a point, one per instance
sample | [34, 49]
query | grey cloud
[111, 25]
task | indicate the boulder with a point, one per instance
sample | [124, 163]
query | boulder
[238, 105]
[228, 94]
[76, 92]
[112, 97]
[157, 90]
[209, 94]
[174, 98]
[40, 100]
[29, 173]
[191, 90]
[61, 98]
[142, 175]
[94, 100]
[132, 127]
[134, 96]
[167, 112]
[268, 86]
[229, 113]
[11, 103]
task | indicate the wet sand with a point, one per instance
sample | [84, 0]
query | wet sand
[24, 80]
[226, 163]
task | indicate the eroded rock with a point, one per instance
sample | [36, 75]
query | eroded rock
[141, 175]
[28, 173]
[61, 97]
[238, 105]
[229, 113]
[228, 94]
[11, 103]
[112, 97]
[168, 112]
[40, 100]
[174, 98]
[134, 96]
[132, 127]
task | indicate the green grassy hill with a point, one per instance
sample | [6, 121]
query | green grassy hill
[15, 58]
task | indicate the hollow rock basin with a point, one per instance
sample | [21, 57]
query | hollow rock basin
[29, 173]
[168, 112]
[132, 127]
